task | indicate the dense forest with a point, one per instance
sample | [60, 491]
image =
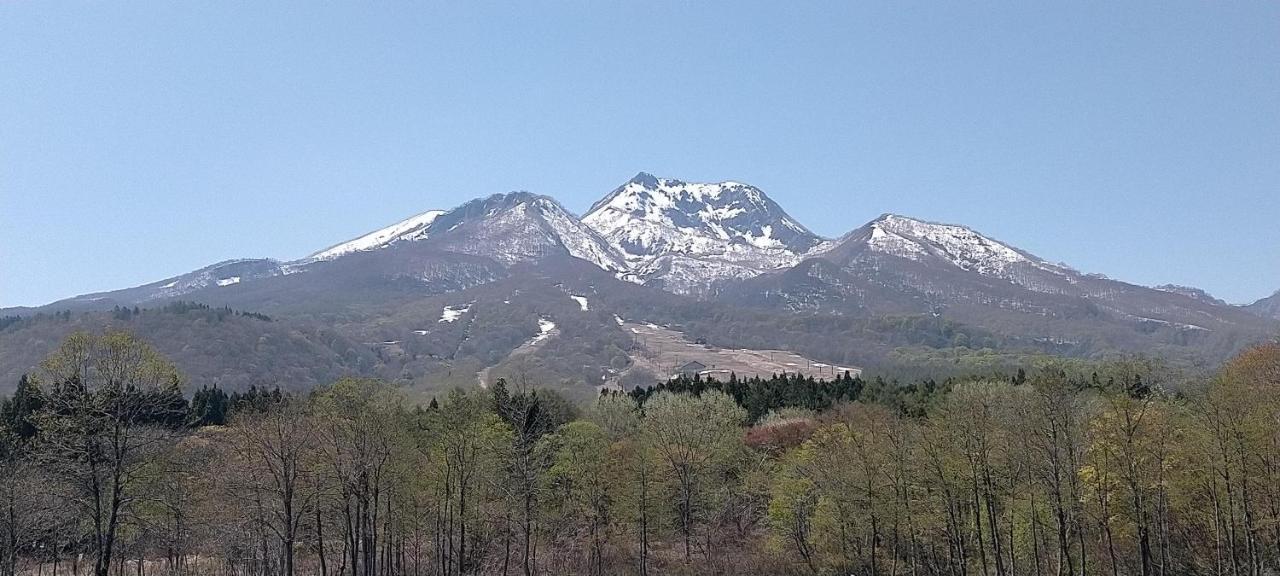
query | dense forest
[107, 469]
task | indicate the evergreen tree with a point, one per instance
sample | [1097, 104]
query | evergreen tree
[209, 407]
[17, 413]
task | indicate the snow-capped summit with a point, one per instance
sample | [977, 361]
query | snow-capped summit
[510, 228]
[521, 227]
[948, 247]
[690, 235]
[650, 216]
[961, 246]
[413, 228]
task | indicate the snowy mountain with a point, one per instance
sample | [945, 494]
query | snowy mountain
[510, 228]
[501, 230]
[720, 258]
[687, 236]
[650, 216]
[952, 251]
[946, 245]
[895, 265]
[410, 229]
[521, 227]
[952, 257]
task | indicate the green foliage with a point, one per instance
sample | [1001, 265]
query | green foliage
[793, 506]
[210, 406]
[579, 488]
[18, 413]
[254, 400]
[194, 308]
[759, 396]
[1045, 471]
[618, 415]
[698, 438]
[212, 346]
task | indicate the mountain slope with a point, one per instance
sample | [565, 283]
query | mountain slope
[521, 227]
[1268, 307]
[434, 251]
[1191, 292]
[413, 228]
[220, 275]
[896, 265]
[209, 345]
[949, 246]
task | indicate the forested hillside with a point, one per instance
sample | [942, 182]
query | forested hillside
[402, 338]
[234, 349]
[107, 469]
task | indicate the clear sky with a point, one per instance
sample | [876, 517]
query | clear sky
[140, 140]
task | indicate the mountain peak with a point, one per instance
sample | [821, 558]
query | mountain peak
[650, 216]
[901, 220]
[644, 179]
[418, 227]
[521, 227]
[960, 246]
[690, 235]
[511, 198]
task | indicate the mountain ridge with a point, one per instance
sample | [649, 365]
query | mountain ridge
[700, 257]
[648, 229]
[407, 229]
[1268, 307]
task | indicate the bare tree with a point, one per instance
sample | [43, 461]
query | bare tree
[18, 509]
[106, 420]
[270, 448]
[358, 443]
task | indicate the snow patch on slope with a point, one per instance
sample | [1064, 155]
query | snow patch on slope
[545, 329]
[580, 240]
[413, 228]
[224, 273]
[452, 314]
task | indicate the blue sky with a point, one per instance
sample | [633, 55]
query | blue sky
[140, 140]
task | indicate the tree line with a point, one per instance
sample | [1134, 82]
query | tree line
[107, 469]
